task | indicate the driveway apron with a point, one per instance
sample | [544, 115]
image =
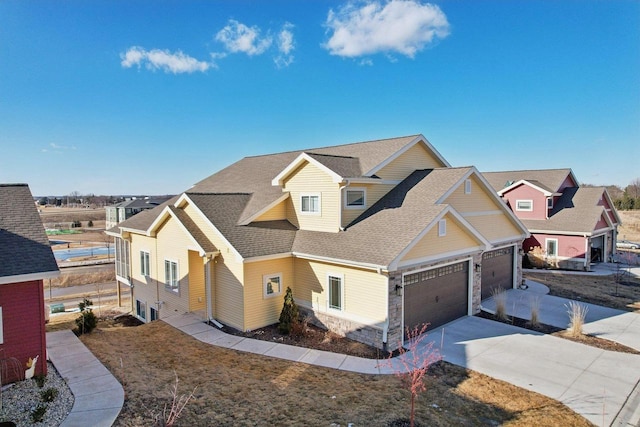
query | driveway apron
[594, 383]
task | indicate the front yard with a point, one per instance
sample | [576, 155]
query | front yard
[235, 388]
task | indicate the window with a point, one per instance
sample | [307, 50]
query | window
[153, 313]
[552, 247]
[550, 203]
[1, 327]
[122, 258]
[144, 263]
[335, 292]
[442, 227]
[467, 186]
[355, 199]
[141, 309]
[310, 203]
[171, 276]
[524, 205]
[272, 285]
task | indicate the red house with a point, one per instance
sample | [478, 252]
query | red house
[26, 260]
[573, 226]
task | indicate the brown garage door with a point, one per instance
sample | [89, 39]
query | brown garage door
[436, 296]
[497, 270]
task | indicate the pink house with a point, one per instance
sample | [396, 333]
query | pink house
[26, 260]
[573, 226]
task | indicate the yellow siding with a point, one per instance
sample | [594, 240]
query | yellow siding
[311, 179]
[417, 157]
[365, 291]
[144, 288]
[457, 238]
[494, 227]
[478, 201]
[260, 310]
[374, 192]
[197, 297]
[228, 291]
[275, 213]
[226, 278]
[172, 243]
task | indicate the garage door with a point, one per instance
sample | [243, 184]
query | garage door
[436, 296]
[497, 270]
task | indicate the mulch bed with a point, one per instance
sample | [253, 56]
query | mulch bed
[315, 338]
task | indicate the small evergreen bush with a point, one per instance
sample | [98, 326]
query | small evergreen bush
[289, 313]
[39, 379]
[87, 321]
[37, 414]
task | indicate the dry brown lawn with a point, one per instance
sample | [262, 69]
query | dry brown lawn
[237, 389]
[630, 228]
[601, 290]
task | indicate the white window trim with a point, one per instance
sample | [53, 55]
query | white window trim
[442, 228]
[167, 286]
[546, 246]
[364, 198]
[265, 281]
[467, 186]
[1, 328]
[337, 276]
[518, 208]
[319, 196]
[550, 203]
[147, 264]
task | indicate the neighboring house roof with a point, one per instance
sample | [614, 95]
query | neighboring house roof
[576, 211]
[546, 179]
[141, 203]
[25, 253]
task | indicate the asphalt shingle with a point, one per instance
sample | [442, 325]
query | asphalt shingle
[24, 246]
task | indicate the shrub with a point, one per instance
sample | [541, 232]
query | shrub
[39, 379]
[76, 224]
[49, 395]
[289, 313]
[500, 298]
[90, 223]
[87, 321]
[37, 414]
[577, 314]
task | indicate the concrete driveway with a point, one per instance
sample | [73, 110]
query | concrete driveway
[600, 385]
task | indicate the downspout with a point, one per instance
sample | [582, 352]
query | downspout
[158, 302]
[210, 256]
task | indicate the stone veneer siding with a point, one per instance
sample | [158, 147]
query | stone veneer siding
[368, 334]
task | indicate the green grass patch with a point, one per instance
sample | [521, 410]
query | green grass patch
[62, 232]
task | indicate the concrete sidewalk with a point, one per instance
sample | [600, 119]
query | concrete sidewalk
[600, 385]
[98, 395]
[616, 325]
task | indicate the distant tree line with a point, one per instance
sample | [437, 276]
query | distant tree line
[624, 199]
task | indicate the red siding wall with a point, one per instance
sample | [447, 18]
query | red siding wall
[568, 182]
[23, 325]
[568, 246]
[602, 223]
[524, 192]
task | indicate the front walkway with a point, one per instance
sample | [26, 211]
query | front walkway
[98, 395]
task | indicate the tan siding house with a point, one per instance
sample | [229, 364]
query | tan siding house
[371, 237]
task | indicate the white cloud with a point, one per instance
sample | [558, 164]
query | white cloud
[286, 45]
[370, 27]
[157, 59]
[238, 37]
[56, 148]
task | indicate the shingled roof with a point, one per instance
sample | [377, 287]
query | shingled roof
[245, 189]
[24, 246]
[547, 179]
[576, 211]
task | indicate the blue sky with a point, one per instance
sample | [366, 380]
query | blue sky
[149, 97]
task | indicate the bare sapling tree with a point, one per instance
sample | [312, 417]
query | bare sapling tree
[171, 414]
[413, 362]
